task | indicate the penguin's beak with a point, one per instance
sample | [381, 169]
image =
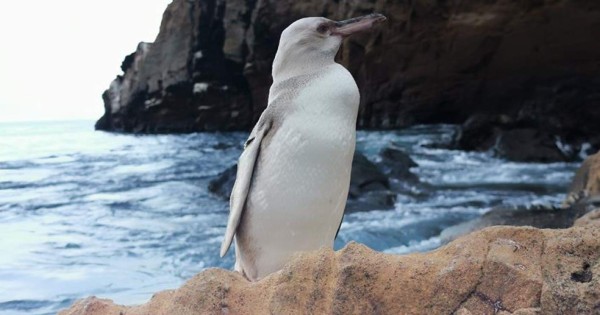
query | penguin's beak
[358, 24]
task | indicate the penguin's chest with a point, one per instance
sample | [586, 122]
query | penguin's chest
[307, 161]
[313, 161]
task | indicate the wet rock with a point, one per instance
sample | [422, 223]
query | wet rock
[508, 140]
[222, 185]
[499, 270]
[432, 62]
[397, 164]
[528, 145]
[371, 200]
[583, 197]
[543, 217]
[369, 186]
[366, 176]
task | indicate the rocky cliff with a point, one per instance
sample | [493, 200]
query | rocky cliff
[530, 66]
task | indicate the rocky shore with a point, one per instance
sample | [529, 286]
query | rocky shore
[499, 270]
[496, 270]
[525, 70]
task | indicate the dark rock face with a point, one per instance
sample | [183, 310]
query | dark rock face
[182, 82]
[529, 145]
[524, 141]
[512, 143]
[534, 63]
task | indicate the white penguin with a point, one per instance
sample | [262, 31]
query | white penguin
[294, 173]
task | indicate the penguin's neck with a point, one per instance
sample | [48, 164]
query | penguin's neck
[289, 64]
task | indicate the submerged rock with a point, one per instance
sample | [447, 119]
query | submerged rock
[373, 186]
[222, 185]
[371, 200]
[369, 186]
[397, 164]
[366, 176]
[499, 270]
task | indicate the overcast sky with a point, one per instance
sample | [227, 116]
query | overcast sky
[57, 57]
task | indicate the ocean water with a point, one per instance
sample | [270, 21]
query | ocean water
[123, 216]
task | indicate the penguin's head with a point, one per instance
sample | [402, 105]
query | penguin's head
[314, 41]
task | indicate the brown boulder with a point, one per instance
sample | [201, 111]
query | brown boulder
[585, 187]
[590, 218]
[499, 270]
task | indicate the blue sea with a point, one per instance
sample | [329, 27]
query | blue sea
[118, 216]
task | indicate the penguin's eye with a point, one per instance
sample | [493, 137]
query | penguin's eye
[323, 28]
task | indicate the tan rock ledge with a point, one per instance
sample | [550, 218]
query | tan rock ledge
[586, 183]
[498, 270]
